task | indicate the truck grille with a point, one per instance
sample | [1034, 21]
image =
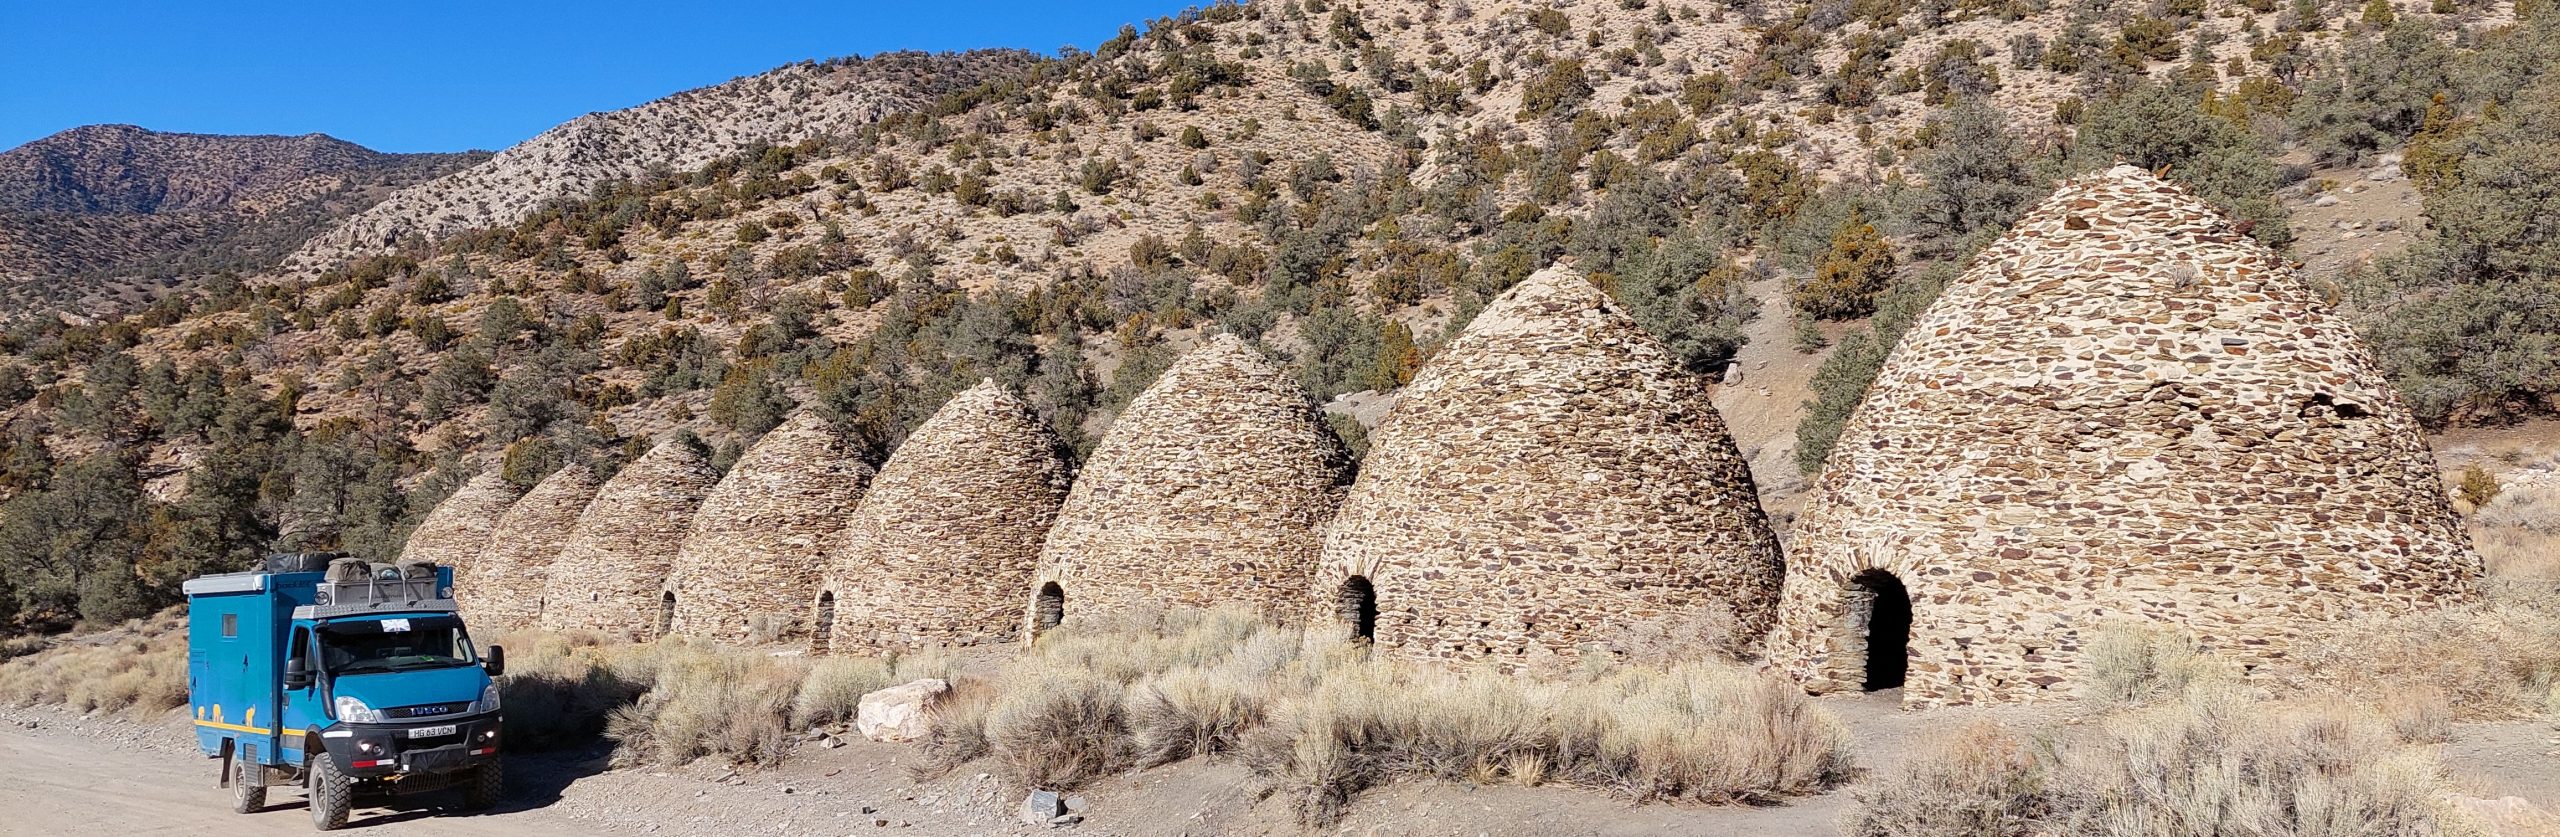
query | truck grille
[425, 710]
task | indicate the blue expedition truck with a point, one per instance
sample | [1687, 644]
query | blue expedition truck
[340, 676]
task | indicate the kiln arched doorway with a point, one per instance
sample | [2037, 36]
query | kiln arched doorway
[1881, 607]
[1048, 609]
[1357, 601]
[822, 627]
[666, 612]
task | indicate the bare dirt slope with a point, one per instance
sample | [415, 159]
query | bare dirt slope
[1762, 398]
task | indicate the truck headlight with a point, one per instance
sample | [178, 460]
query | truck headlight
[353, 711]
[488, 701]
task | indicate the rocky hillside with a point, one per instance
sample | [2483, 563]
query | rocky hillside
[677, 133]
[1342, 185]
[88, 213]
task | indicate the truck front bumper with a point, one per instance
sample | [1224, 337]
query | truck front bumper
[389, 751]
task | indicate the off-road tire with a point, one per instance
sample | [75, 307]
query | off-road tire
[486, 786]
[332, 794]
[248, 796]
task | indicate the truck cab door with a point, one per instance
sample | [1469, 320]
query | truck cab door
[299, 704]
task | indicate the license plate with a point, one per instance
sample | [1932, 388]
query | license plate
[431, 732]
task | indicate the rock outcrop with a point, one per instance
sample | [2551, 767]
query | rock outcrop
[611, 575]
[2125, 409]
[943, 547]
[456, 532]
[1551, 484]
[757, 552]
[504, 588]
[1208, 490]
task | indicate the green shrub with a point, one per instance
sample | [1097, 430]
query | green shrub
[1859, 266]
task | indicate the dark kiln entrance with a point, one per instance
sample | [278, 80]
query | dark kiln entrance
[1358, 600]
[1885, 606]
[1049, 608]
[822, 633]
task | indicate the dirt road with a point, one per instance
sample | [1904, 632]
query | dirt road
[101, 782]
[73, 776]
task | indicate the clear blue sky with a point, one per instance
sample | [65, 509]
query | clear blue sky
[446, 76]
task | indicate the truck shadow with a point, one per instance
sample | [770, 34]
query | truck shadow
[534, 781]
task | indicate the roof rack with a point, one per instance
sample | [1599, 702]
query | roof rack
[352, 586]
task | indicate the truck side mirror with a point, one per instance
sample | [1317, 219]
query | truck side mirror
[495, 662]
[297, 672]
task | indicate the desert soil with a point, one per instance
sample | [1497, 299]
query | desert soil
[69, 775]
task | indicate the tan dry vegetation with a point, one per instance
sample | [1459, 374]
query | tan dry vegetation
[675, 701]
[1325, 720]
[2210, 761]
[139, 668]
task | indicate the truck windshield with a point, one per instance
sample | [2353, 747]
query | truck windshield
[376, 650]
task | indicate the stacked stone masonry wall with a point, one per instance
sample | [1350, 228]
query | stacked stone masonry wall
[757, 552]
[1550, 484]
[1209, 489]
[504, 589]
[456, 532]
[2124, 410]
[943, 546]
[612, 572]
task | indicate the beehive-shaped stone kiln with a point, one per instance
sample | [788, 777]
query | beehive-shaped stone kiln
[943, 545]
[611, 575]
[1551, 481]
[503, 589]
[1208, 490]
[758, 548]
[456, 532]
[2125, 409]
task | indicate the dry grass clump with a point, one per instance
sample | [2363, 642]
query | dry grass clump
[2211, 761]
[1702, 732]
[2518, 531]
[959, 733]
[140, 667]
[559, 688]
[2127, 663]
[675, 701]
[1058, 728]
[1106, 694]
[1978, 779]
[833, 691]
[2495, 658]
[708, 701]
[1324, 720]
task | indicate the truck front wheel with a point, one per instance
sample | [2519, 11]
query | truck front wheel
[487, 783]
[248, 787]
[331, 794]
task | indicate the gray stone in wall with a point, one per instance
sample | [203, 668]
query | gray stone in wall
[757, 552]
[504, 588]
[943, 545]
[2124, 409]
[1551, 484]
[456, 532]
[1208, 490]
[611, 575]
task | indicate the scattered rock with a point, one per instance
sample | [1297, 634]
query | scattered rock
[1077, 803]
[2384, 174]
[2325, 200]
[897, 713]
[1066, 819]
[1042, 807]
